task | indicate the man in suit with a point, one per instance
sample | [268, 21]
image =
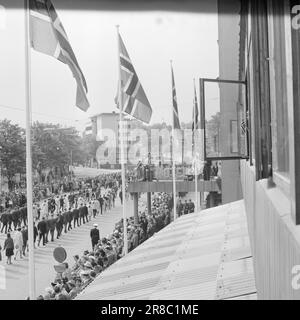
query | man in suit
[101, 201]
[25, 239]
[191, 206]
[42, 228]
[185, 207]
[76, 217]
[35, 233]
[95, 235]
[179, 208]
[81, 214]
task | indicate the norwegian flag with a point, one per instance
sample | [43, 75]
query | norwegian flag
[195, 124]
[134, 99]
[48, 36]
[176, 123]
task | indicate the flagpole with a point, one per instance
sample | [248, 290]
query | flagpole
[195, 166]
[32, 294]
[202, 137]
[173, 164]
[122, 149]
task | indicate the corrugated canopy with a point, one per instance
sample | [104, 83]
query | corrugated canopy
[204, 255]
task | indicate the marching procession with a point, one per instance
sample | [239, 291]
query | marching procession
[106, 250]
[61, 212]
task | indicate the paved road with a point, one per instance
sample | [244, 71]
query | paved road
[15, 277]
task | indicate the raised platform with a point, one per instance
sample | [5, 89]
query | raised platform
[167, 186]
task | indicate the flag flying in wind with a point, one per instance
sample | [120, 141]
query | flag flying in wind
[134, 99]
[195, 124]
[48, 36]
[176, 123]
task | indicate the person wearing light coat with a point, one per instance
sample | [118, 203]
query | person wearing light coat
[18, 241]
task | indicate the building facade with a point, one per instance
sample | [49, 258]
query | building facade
[262, 46]
[107, 126]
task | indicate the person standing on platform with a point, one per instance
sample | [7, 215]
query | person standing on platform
[191, 206]
[185, 207]
[95, 235]
[179, 208]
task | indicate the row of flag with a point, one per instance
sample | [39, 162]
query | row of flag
[48, 36]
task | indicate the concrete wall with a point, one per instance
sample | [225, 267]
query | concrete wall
[275, 239]
[228, 33]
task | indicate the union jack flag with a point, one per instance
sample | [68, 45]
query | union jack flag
[176, 123]
[195, 124]
[48, 36]
[134, 99]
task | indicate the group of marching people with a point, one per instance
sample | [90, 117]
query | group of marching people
[106, 250]
[55, 215]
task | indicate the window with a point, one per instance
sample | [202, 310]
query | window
[223, 106]
[278, 88]
[294, 114]
[260, 111]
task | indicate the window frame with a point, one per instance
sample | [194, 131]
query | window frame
[293, 94]
[202, 110]
[281, 178]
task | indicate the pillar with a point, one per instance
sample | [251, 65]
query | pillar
[211, 199]
[136, 207]
[149, 201]
[201, 205]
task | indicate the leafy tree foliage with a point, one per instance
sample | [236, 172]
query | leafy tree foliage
[53, 147]
[12, 150]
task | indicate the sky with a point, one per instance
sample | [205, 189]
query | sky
[151, 38]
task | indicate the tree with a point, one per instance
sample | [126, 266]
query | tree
[55, 147]
[12, 150]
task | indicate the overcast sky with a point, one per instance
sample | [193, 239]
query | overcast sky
[152, 39]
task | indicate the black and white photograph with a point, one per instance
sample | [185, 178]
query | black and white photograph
[148, 153]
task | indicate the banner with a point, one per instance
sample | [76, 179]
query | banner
[84, 172]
